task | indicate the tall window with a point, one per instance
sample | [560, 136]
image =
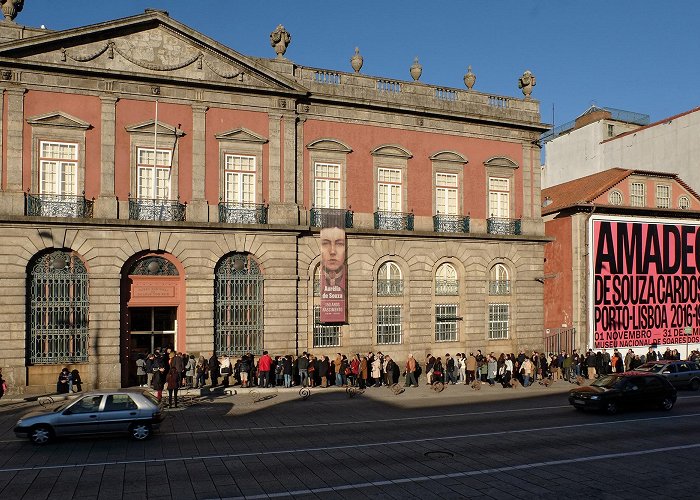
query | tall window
[445, 322]
[499, 283]
[58, 168]
[390, 280]
[238, 306]
[638, 194]
[446, 280]
[389, 190]
[153, 173]
[239, 179]
[389, 324]
[499, 197]
[499, 321]
[663, 196]
[326, 185]
[58, 310]
[446, 189]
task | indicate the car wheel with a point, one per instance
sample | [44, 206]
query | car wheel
[140, 431]
[41, 434]
[666, 404]
[611, 408]
[695, 384]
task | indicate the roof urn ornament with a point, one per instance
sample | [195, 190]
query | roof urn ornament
[357, 60]
[279, 40]
[469, 78]
[526, 82]
[10, 8]
[416, 69]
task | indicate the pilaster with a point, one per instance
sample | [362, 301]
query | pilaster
[197, 208]
[13, 197]
[106, 202]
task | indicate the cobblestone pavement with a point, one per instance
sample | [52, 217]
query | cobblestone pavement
[493, 443]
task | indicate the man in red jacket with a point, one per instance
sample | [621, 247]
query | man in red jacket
[264, 365]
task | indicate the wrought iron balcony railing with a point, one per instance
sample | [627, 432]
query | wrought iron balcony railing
[150, 209]
[498, 225]
[389, 288]
[501, 287]
[393, 220]
[57, 205]
[243, 213]
[330, 217]
[446, 287]
[450, 224]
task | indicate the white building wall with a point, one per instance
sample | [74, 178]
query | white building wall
[672, 146]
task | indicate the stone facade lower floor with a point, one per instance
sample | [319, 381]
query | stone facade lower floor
[96, 296]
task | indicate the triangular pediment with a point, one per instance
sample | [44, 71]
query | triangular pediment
[149, 127]
[241, 135]
[58, 119]
[145, 46]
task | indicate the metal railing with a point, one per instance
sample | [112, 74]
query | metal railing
[330, 217]
[389, 288]
[161, 210]
[58, 205]
[501, 287]
[393, 220]
[450, 224]
[560, 339]
[243, 213]
[498, 225]
[446, 287]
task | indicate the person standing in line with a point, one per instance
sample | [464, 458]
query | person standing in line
[140, 370]
[411, 372]
[190, 371]
[158, 378]
[173, 381]
[149, 369]
[287, 370]
[264, 365]
[303, 367]
[3, 385]
[449, 370]
[214, 370]
[377, 371]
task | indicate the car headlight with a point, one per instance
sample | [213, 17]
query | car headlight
[19, 422]
[595, 397]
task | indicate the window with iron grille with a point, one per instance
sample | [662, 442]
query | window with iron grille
[446, 323]
[388, 324]
[615, 197]
[499, 321]
[446, 282]
[58, 309]
[325, 335]
[663, 196]
[638, 194]
[238, 306]
[684, 202]
[390, 280]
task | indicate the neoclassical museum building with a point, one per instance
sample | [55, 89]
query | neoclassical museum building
[160, 189]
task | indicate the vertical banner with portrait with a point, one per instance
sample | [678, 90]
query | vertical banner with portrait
[334, 279]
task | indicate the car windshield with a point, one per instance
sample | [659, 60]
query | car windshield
[608, 382]
[651, 367]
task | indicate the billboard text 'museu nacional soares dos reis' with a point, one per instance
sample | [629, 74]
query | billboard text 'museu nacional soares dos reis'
[645, 282]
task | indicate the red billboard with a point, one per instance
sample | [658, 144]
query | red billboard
[645, 282]
[334, 279]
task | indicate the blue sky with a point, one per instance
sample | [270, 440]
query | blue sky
[636, 55]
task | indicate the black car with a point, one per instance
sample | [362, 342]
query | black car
[612, 393]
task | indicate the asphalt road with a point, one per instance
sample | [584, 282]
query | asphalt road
[494, 443]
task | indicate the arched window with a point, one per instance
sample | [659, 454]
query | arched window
[58, 309]
[238, 305]
[446, 282]
[615, 197]
[390, 280]
[499, 283]
[684, 202]
[324, 335]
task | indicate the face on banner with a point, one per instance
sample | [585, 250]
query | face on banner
[333, 275]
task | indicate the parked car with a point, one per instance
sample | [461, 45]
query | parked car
[618, 391]
[130, 411]
[682, 374]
